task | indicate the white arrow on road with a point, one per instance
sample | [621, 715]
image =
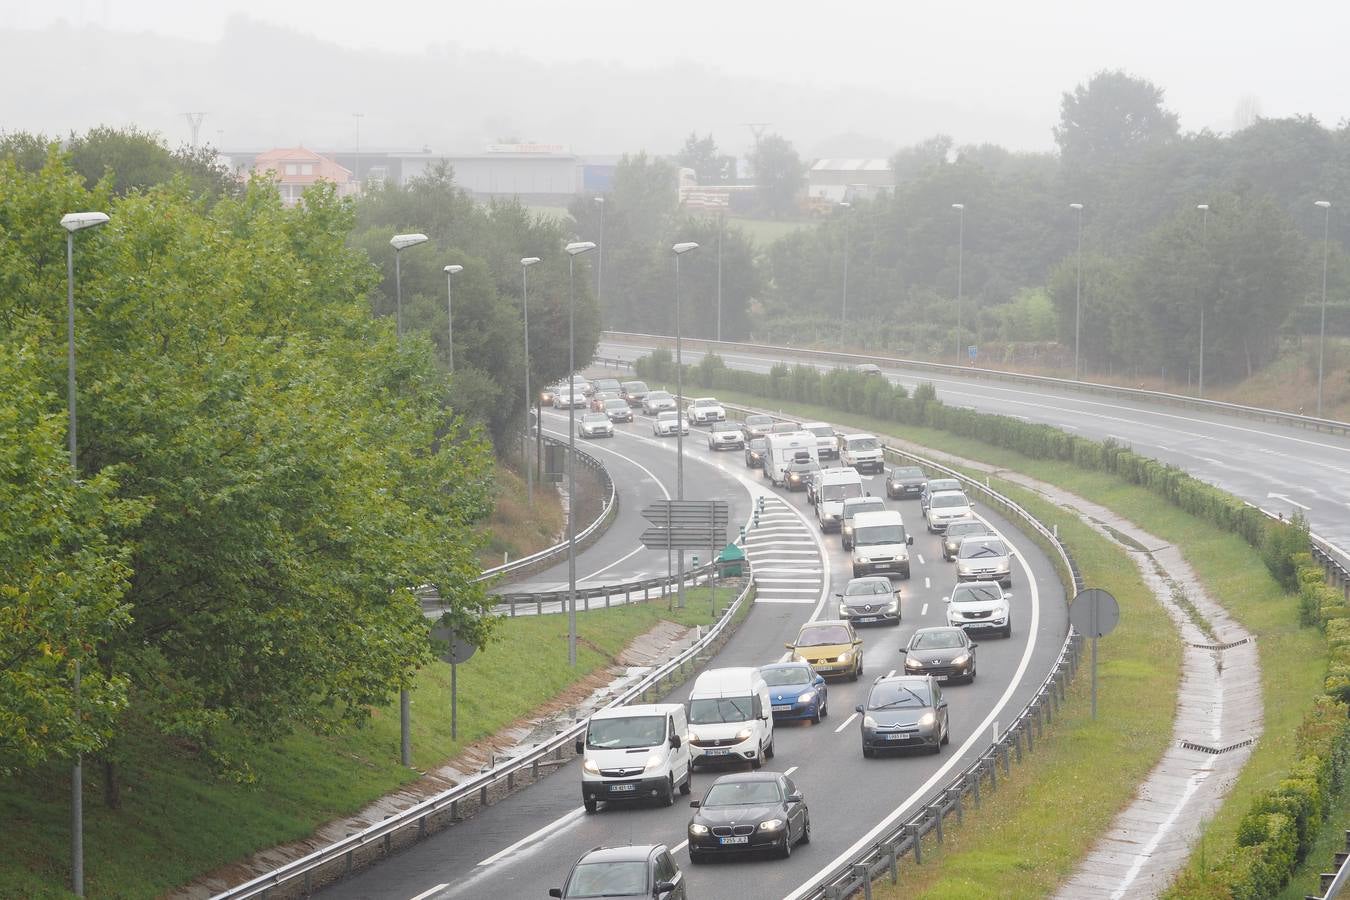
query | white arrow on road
[1287, 500]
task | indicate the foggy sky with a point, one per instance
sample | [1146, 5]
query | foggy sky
[981, 70]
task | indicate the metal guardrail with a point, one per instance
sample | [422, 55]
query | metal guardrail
[1331, 426]
[610, 505]
[412, 824]
[545, 602]
[1334, 882]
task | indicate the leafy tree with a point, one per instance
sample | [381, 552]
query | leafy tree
[1111, 117]
[700, 154]
[779, 173]
[913, 162]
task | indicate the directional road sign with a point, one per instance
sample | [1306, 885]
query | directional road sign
[686, 524]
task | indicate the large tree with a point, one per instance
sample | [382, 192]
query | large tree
[778, 173]
[711, 167]
[1104, 122]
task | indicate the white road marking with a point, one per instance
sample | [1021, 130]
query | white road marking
[924, 611]
[927, 582]
[890, 674]
[802, 600]
[920, 557]
[1286, 499]
[680, 846]
[554, 827]
[789, 771]
[428, 892]
[844, 724]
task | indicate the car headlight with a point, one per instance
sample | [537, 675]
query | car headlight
[902, 556]
[693, 736]
[807, 697]
[654, 761]
[591, 767]
[848, 529]
[869, 722]
[846, 656]
[912, 663]
[771, 825]
[927, 719]
[961, 660]
[843, 611]
[696, 828]
[893, 606]
[743, 734]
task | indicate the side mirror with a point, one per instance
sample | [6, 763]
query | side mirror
[839, 596]
[867, 493]
[581, 746]
[675, 741]
[555, 892]
[820, 679]
[794, 797]
[909, 539]
[664, 887]
[790, 646]
[946, 599]
[973, 645]
[693, 804]
[942, 704]
[858, 708]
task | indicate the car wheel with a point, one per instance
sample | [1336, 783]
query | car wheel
[786, 850]
[855, 674]
[806, 831]
[946, 735]
[590, 803]
[825, 710]
[688, 784]
[768, 754]
[971, 679]
[758, 761]
[667, 796]
[868, 752]
[1007, 629]
[905, 575]
[856, 573]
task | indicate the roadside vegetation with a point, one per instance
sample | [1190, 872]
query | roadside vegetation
[514, 529]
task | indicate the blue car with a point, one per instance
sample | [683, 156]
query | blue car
[796, 692]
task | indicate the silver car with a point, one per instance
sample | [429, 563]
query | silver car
[984, 558]
[595, 425]
[658, 401]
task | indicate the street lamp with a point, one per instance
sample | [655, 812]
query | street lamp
[721, 226]
[525, 264]
[73, 222]
[450, 273]
[573, 251]
[1322, 333]
[600, 262]
[1204, 247]
[1078, 290]
[960, 262]
[401, 242]
[358, 117]
[843, 309]
[680, 250]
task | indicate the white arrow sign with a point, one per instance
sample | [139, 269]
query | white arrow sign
[1287, 500]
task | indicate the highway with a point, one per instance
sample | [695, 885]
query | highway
[525, 844]
[1283, 469]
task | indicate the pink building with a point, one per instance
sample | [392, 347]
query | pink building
[296, 168]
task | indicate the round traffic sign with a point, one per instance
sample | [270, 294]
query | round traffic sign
[450, 648]
[1094, 612]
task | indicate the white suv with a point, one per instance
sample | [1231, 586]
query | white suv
[705, 411]
[944, 507]
[980, 605]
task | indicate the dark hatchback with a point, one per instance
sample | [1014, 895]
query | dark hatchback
[754, 453]
[905, 482]
[757, 426]
[749, 811]
[946, 653]
[904, 712]
[639, 872]
[958, 531]
[797, 473]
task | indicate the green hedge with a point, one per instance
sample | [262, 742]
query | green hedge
[1281, 823]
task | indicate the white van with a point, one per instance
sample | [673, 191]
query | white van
[635, 753]
[826, 439]
[833, 487]
[861, 451]
[730, 717]
[781, 449]
[880, 544]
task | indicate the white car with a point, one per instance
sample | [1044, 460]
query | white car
[566, 397]
[827, 446]
[861, 451]
[984, 558]
[658, 401]
[725, 436]
[667, 422]
[595, 425]
[944, 507]
[705, 411]
[978, 606]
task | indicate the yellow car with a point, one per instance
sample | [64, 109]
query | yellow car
[831, 646]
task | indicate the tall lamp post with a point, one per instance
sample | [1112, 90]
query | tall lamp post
[1322, 332]
[1204, 248]
[525, 264]
[357, 165]
[600, 263]
[721, 227]
[401, 242]
[1078, 290]
[450, 273]
[960, 263]
[680, 250]
[73, 222]
[573, 251]
[843, 306]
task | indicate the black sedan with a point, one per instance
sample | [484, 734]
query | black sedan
[796, 474]
[946, 653]
[905, 482]
[757, 426]
[754, 453]
[749, 811]
[958, 531]
[903, 712]
[642, 871]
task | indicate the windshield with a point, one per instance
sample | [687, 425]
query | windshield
[938, 639]
[899, 473]
[867, 588]
[864, 444]
[894, 695]
[976, 593]
[632, 386]
[943, 502]
[821, 431]
[840, 491]
[595, 417]
[943, 484]
[792, 675]
[608, 879]
[615, 404]
[759, 420]
[627, 733]
[758, 443]
[961, 528]
[823, 636]
[657, 395]
[879, 534]
[742, 793]
[712, 710]
[870, 505]
[976, 549]
[705, 402]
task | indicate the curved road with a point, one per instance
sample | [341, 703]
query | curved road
[1279, 468]
[525, 844]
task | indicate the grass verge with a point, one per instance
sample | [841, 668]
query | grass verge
[514, 529]
[177, 821]
[1293, 662]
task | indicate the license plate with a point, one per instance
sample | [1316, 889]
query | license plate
[896, 737]
[866, 619]
[783, 708]
[623, 787]
[738, 839]
[943, 677]
[716, 752]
